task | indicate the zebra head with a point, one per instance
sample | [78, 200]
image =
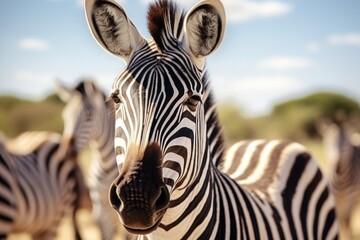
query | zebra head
[84, 104]
[160, 135]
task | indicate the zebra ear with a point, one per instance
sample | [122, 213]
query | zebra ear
[204, 29]
[321, 125]
[112, 29]
[63, 92]
[94, 93]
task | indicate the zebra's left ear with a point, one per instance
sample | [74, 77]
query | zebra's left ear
[94, 93]
[63, 92]
[204, 29]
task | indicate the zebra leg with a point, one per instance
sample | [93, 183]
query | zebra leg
[6, 218]
[76, 225]
[347, 221]
[344, 210]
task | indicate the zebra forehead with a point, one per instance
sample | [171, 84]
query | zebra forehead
[165, 22]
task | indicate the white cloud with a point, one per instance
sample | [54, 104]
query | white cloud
[352, 39]
[266, 83]
[313, 47]
[285, 63]
[254, 85]
[34, 44]
[34, 78]
[28, 84]
[245, 10]
[256, 94]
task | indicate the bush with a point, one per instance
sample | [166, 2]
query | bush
[299, 115]
[18, 115]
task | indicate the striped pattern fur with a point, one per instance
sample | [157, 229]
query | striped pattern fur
[38, 189]
[43, 181]
[173, 182]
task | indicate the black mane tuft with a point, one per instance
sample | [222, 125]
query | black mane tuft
[165, 23]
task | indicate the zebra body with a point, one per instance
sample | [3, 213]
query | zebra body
[43, 182]
[26, 142]
[173, 182]
[37, 189]
[343, 159]
[103, 170]
[99, 133]
[284, 175]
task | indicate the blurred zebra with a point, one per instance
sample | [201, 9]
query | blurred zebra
[103, 169]
[343, 159]
[27, 142]
[38, 187]
[168, 141]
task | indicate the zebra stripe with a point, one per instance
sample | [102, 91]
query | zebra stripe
[174, 182]
[103, 169]
[43, 180]
[37, 189]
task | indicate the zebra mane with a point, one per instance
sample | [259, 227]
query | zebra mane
[214, 129]
[80, 87]
[165, 23]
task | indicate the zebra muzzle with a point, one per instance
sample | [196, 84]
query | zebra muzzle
[139, 194]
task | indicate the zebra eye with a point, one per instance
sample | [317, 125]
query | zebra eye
[115, 98]
[192, 102]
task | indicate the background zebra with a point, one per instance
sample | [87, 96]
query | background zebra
[40, 185]
[343, 158]
[168, 141]
[38, 188]
[26, 142]
[99, 133]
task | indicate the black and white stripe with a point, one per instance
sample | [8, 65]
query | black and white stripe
[98, 131]
[103, 168]
[37, 189]
[173, 182]
[41, 180]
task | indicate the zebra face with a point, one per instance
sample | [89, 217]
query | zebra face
[160, 129]
[84, 104]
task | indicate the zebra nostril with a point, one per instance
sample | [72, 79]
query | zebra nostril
[163, 199]
[114, 198]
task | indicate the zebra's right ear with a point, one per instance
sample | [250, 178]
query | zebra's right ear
[322, 124]
[204, 29]
[112, 29]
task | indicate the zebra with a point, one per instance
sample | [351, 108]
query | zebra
[26, 142]
[342, 153]
[39, 186]
[173, 181]
[103, 169]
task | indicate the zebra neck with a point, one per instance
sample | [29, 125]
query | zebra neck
[339, 148]
[67, 150]
[214, 133]
[201, 205]
[103, 142]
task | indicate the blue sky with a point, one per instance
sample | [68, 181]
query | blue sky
[273, 50]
